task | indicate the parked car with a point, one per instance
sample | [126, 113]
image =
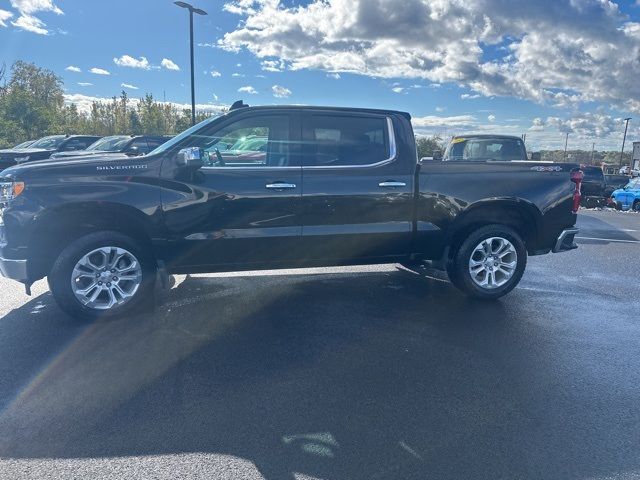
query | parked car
[335, 186]
[628, 197]
[44, 148]
[593, 187]
[614, 182]
[486, 148]
[129, 145]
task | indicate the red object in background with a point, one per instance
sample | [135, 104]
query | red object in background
[576, 177]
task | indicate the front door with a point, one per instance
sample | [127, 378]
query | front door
[243, 207]
[357, 202]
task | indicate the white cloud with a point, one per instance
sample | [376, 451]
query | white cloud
[273, 66]
[280, 92]
[72, 68]
[83, 102]
[558, 53]
[436, 121]
[468, 96]
[31, 24]
[27, 21]
[238, 75]
[131, 62]
[491, 118]
[335, 76]
[4, 16]
[34, 6]
[215, 73]
[398, 89]
[248, 89]
[440, 109]
[85, 84]
[128, 86]
[99, 71]
[169, 65]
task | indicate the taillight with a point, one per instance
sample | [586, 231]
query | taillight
[577, 176]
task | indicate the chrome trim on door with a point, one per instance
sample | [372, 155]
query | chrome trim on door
[280, 186]
[392, 184]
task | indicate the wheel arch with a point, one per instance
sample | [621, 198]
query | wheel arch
[524, 217]
[56, 227]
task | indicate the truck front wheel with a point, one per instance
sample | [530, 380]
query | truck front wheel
[104, 274]
[489, 263]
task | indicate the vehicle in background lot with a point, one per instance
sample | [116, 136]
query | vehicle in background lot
[246, 149]
[486, 148]
[334, 186]
[614, 182]
[44, 148]
[628, 198]
[593, 187]
[131, 146]
[23, 145]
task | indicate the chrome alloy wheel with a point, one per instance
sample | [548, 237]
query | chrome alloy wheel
[493, 263]
[106, 277]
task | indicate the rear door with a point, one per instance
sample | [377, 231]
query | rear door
[357, 202]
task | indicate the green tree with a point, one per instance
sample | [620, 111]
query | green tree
[31, 103]
[429, 146]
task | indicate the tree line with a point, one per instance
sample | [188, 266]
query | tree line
[32, 106]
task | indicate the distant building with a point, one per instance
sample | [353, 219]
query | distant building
[636, 156]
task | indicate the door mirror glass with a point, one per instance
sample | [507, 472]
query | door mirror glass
[191, 157]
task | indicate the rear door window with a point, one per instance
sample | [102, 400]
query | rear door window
[343, 141]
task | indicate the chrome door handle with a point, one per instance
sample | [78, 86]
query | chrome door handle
[280, 186]
[392, 184]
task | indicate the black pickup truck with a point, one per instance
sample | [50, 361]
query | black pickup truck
[328, 186]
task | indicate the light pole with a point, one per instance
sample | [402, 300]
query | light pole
[198, 11]
[624, 139]
[566, 143]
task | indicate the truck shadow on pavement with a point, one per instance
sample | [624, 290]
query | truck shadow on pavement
[367, 375]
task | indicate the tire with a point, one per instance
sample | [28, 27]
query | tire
[636, 206]
[618, 206]
[501, 274]
[68, 276]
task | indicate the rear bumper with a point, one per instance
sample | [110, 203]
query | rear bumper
[566, 240]
[14, 269]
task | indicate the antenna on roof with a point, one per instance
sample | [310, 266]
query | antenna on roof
[237, 105]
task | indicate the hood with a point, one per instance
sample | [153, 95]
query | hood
[18, 152]
[82, 165]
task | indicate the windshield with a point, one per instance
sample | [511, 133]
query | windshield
[23, 145]
[479, 149]
[177, 139]
[48, 142]
[110, 144]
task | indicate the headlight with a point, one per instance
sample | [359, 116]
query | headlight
[22, 159]
[9, 191]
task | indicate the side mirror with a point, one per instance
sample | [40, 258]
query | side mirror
[191, 157]
[133, 151]
[536, 156]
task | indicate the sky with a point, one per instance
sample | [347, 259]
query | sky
[542, 68]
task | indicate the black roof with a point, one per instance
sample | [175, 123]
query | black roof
[488, 135]
[243, 107]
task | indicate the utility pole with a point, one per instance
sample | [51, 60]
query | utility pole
[593, 148]
[566, 143]
[624, 139]
[198, 11]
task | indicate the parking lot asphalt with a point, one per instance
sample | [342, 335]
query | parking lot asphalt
[342, 373]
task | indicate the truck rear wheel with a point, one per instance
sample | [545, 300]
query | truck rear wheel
[489, 263]
[104, 274]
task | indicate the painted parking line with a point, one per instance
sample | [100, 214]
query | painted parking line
[608, 240]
